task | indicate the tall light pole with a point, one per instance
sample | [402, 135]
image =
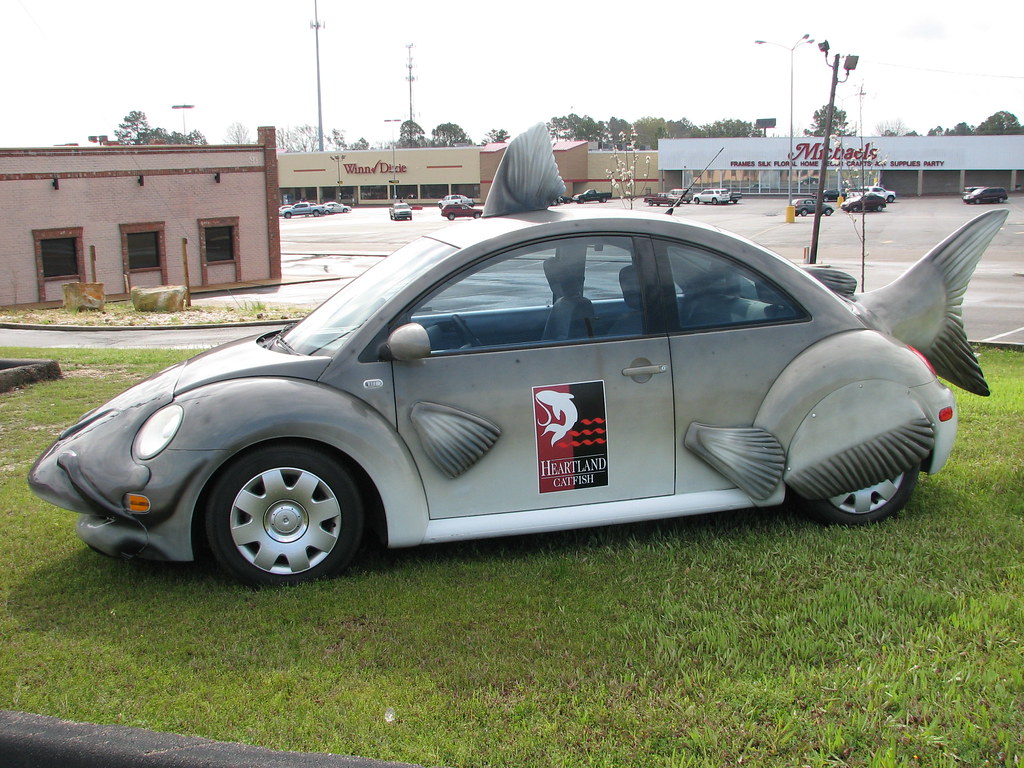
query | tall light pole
[183, 107]
[790, 209]
[394, 160]
[315, 25]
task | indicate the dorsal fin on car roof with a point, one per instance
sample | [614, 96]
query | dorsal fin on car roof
[527, 178]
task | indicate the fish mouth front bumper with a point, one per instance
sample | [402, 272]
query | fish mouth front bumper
[60, 478]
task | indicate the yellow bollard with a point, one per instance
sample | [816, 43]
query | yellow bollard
[790, 213]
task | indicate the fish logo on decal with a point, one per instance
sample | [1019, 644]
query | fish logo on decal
[560, 413]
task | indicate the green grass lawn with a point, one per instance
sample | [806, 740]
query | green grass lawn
[754, 638]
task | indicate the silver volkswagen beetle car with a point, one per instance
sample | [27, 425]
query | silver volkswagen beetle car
[535, 370]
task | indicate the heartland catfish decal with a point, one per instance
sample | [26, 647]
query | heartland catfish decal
[572, 436]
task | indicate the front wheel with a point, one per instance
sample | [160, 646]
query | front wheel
[284, 514]
[827, 212]
[867, 505]
[451, 217]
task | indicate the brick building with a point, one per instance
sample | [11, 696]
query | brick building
[129, 216]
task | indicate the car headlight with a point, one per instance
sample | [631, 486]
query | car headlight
[158, 431]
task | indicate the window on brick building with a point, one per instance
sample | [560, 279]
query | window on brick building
[143, 250]
[220, 243]
[59, 256]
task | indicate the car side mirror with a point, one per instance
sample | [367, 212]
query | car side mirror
[407, 342]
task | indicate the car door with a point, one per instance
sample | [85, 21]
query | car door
[548, 383]
[732, 331]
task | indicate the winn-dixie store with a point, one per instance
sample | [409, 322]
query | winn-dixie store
[374, 177]
[907, 165]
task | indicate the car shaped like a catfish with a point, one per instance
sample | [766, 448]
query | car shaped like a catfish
[531, 371]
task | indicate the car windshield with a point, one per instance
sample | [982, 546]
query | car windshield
[324, 329]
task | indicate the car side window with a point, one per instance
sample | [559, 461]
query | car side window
[559, 291]
[712, 291]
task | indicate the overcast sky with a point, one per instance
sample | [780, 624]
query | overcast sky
[73, 69]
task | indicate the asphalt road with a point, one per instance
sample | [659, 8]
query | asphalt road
[329, 251]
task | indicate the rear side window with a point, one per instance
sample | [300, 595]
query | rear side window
[712, 291]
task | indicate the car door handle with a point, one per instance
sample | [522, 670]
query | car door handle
[644, 370]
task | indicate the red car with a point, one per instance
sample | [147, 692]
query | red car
[452, 212]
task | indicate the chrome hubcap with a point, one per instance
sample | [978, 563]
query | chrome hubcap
[867, 499]
[285, 520]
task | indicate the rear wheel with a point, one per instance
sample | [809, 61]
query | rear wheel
[284, 514]
[867, 505]
[827, 211]
[451, 217]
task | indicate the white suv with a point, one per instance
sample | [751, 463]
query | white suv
[713, 196]
[454, 200]
[889, 196]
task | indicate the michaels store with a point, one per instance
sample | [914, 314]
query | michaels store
[907, 165]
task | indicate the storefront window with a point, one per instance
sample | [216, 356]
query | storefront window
[374, 192]
[469, 190]
[433, 191]
[407, 191]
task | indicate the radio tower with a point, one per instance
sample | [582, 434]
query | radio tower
[410, 78]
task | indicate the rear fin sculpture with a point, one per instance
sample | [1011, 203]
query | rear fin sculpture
[924, 307]
[527, 178]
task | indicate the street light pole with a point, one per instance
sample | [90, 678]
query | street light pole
[790, 208]
[316, 25]
[394, 178]
[338, 158]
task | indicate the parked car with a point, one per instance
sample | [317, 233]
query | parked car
[333, 207]
[986, 195]
[527, 373]
[832, 195]
[455, 200]
[304, 209]
[400, 211]
[805, 206]
[452, 212]
[714, 196]
[866, 202]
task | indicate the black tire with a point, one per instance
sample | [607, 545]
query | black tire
[868, 505]
[477, 215]
[827, 211]
[696, 201]
[284, 514]
[287, 214]
[451, 217]
[714, 201]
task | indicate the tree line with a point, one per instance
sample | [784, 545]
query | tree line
[614, 133]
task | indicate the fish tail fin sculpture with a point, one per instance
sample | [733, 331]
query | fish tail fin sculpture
[924, 307]
[527, 177]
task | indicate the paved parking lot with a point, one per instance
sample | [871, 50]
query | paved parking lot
[344, 244]
[320, 254]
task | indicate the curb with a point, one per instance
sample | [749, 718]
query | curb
[29, 741]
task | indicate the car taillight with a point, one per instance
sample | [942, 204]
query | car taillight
[946, 413]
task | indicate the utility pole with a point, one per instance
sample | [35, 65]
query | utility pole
[851, 64]
[410, 78]
[315, 25]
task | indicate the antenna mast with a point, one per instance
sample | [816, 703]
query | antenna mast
[410, 78]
